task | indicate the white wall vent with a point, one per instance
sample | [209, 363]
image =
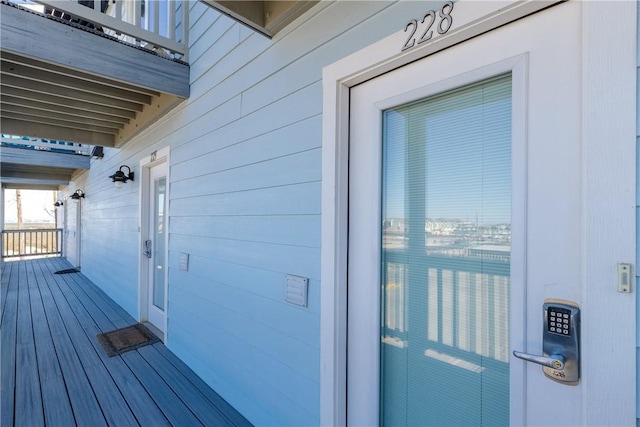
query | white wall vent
[296, 290]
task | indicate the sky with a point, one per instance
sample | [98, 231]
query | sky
[454, 152]
[37, 206]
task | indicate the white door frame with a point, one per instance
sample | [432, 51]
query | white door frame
[155, 158]
[608, 175]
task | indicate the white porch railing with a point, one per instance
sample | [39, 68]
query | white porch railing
[151, 24]
[33, 242]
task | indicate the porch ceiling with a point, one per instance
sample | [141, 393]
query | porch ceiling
[61, 81]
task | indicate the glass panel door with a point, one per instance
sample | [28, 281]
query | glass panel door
[446, 236]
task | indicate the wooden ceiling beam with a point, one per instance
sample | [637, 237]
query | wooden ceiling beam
[11, 103]
[42, 116]
[38, 130]
[73, 124]
[70, 82]
[51, 68]
[63, 101]
[26, 84]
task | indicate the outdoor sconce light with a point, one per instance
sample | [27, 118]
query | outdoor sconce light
[77, 196]
[97, 151]
[58, 204]
[120, 178]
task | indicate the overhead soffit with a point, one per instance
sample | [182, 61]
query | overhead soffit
[266, 17]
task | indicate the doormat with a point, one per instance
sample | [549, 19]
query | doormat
[126, 339]
[67, 271]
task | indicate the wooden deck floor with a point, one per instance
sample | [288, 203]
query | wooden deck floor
[54, 372]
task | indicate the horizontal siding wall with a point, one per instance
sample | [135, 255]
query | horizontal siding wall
[245, 203]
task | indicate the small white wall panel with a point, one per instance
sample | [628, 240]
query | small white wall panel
[296, 290]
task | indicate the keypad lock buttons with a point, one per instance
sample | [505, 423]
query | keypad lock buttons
[560, 357]
[559, 321]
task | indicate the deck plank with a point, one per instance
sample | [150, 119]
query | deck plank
[48, 366]
[57, 407]
[75, 316]
[236, 418]
[83, 401]
[80, 393]
[8, 349]
[5, 269]
[29, 408]
[113, 405]
[49, 328]
[191, 397]
[28, 405]
[170, 404]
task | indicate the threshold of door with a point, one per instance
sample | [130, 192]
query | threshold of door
[157, 332]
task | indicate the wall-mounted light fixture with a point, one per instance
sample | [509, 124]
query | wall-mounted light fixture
[120, 178]
[77, 196]
[58, 204]
[97, 151]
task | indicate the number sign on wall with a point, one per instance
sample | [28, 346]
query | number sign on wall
[440, 21]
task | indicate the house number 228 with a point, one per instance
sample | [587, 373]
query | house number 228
[428, 20]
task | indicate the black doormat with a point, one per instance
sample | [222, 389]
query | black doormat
[67, 271]
[126, 339]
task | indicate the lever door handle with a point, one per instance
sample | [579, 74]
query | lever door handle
[147, 246]
[554, 361]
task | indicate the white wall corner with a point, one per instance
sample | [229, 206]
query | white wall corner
[609, 73]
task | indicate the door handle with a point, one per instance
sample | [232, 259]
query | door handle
[560, 357]
[147, 247]
[554, 361]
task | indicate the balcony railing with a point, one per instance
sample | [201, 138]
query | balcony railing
[32, 242]
[42, 144]
[158, 25]
[467, 298]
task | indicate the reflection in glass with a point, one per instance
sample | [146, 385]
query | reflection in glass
[446, 238]
[160, 190]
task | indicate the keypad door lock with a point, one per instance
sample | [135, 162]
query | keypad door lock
[560, 342]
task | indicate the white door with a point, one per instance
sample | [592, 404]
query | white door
[465, 214]
[154, 246]
[73, 230]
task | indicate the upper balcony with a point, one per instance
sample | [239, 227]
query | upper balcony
[91, 72]
[96, 73]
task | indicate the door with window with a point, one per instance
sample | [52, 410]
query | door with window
[155, 246]
[463, 169]
[73, 230]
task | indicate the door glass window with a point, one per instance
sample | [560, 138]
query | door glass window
[160, 190]
[446, 238]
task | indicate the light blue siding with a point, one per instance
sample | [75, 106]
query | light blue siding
[245, 203]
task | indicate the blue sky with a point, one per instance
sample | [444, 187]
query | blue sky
[468, 155]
